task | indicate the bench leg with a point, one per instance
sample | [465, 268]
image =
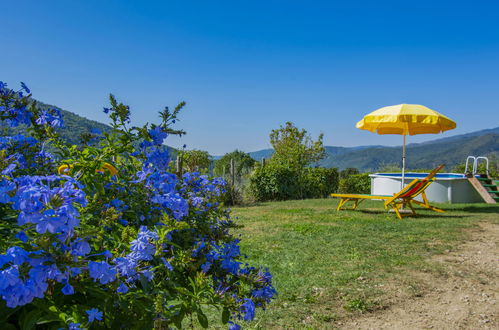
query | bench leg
[341, 203]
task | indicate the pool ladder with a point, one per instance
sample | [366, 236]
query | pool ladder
[475, 165]
[483, 183]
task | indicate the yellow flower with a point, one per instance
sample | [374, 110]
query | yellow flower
[65, 169]
[112, 170]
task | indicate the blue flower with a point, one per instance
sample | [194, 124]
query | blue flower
[80, 248]
[157, 135]
[126, 266]
[101, 271]
[141, 248]
[167, 264]
[51, 117]
[23, 86]
[248, 308]
[158, 158]
[18, 255]
[122, 288]
[148, 274]
[74, 326]
[234, 326]
[6, 187]
[94, 314]
[68, 289]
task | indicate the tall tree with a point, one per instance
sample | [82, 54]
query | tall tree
[294, 147]
[243, 163]
[196, 160]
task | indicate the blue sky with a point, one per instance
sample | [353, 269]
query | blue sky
[246, 67]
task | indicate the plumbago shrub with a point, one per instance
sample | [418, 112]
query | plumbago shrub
[103, 236]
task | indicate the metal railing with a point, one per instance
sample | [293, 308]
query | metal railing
[475, 164]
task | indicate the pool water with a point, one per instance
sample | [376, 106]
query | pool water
[411, 175]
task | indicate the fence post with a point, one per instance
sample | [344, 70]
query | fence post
[232, 178]
[179, 165]
[232, 172]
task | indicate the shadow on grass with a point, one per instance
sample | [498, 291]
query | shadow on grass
[418, 214]
[481, 209]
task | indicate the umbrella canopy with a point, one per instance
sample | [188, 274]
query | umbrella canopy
[406, 119]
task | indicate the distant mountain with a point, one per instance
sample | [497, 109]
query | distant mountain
[330, 151]
[261, 154]
[450, 151]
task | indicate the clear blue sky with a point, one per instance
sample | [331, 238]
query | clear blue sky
[246, 67]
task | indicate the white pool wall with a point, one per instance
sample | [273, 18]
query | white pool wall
[452, 189]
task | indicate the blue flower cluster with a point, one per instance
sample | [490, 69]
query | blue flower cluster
[19, 288]
[22, 153]
[50, 203]
[156, 137]
[223, 254]
[142, 249]
[50, 117]
[162, 184]
[158, 226]
[12, 110]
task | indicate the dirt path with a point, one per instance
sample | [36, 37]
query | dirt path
[466, 296]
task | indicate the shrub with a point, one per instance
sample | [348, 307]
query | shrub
[279, 182]
[275, 182]
[355, 184]
[320, 182]
[104, 237]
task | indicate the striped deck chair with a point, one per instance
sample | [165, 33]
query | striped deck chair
[396, 201]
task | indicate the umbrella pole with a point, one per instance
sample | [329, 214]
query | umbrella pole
[403, 165]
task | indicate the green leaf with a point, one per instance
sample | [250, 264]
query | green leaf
[177, 319]
[28, 321]
[225, 315]
[48, 319]
[203, 320]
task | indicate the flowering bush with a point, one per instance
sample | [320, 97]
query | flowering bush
[102, 236]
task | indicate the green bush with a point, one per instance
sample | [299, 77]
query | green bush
[355, 184]
[279, 182]
[319, 182]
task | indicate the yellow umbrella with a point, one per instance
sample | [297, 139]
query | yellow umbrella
[406, 119]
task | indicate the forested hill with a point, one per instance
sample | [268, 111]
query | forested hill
[74, 125]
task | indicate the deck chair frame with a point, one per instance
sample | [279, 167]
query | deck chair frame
[405, 197]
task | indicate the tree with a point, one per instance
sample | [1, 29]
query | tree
[348, 171]
[196, 160]
[294, 147]
[242, 161]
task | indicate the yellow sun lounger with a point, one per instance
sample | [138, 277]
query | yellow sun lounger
[396, 201]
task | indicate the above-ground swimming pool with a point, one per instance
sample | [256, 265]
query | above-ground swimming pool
[447, 188]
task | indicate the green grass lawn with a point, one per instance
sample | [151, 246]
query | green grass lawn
[329, 265]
